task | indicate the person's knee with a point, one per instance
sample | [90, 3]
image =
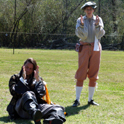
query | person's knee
[79, 83]
[30, 97]
[92, 82]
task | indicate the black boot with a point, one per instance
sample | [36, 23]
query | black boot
[54, 121]
[31, 108]
[55, 117]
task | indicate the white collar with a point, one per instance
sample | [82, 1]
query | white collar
[93, 17]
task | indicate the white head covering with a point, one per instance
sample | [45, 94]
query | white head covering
[90, 3]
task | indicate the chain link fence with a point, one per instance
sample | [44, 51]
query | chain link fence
[54, 41]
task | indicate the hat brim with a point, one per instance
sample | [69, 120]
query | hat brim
[83, 7]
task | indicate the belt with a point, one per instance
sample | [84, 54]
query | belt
[88, 44]
[85, 44]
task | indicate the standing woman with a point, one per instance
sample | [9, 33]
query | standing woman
[89, 29]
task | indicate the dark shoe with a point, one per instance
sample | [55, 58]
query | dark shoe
[93, 103]
[54, 121]
[37, 115]
[76, 103]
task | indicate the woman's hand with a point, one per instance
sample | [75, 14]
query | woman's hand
[24, 73]
[36, 74]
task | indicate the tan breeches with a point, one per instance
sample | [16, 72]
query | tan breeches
[88, 64]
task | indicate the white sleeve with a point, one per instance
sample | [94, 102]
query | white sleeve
[23, 81]
[81, 31]
[99, 31]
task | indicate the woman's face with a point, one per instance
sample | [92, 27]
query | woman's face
[28, 68]
[89, 11]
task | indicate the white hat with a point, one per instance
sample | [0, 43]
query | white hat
[92, 4]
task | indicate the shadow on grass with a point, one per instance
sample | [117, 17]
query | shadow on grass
[75, 110]
[17, 121]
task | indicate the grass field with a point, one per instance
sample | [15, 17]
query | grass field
[58, 67]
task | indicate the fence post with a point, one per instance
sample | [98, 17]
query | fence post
[122, 43]
[14, 22]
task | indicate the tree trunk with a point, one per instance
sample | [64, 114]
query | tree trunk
[114, 13]
[16, 24]
[64, 19]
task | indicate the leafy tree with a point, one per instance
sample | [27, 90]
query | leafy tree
[40, 19]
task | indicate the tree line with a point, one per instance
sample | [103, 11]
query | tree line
[38, 23]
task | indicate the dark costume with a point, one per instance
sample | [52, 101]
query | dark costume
[27, 101]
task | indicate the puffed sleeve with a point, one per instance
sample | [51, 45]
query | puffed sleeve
[40, 89]
[12, 84]
[81, 31]
[99, 32]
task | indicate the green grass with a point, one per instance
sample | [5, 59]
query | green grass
[58, 67]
